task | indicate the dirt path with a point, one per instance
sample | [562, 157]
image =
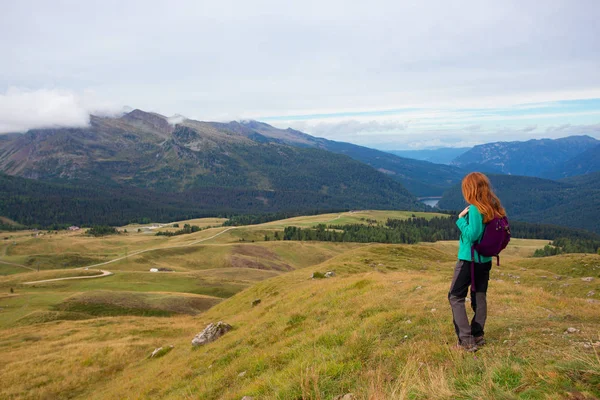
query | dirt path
[17, 265]
[336, 218]
[157, 248]
[104, 273]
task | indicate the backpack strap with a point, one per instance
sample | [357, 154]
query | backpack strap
[497, 260]
[472, 269]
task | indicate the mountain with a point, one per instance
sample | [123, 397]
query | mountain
[444, 155]
[214, 166]
[531, 158]
[573, 202]
[584, 163]
[421, 178]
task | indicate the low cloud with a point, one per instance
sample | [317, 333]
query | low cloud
[21, 109]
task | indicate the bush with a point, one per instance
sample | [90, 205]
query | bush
[102, 230]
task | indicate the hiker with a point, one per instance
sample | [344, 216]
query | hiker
[473, 268]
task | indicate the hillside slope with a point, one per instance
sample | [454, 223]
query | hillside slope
[381, 329]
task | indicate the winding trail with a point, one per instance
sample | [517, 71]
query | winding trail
[104, 273]
[156, 248]
[18, 265]
[108, 273]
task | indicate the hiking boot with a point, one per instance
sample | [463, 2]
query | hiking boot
[479, 341]
[468, 347]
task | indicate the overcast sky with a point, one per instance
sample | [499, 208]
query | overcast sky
[389, 74]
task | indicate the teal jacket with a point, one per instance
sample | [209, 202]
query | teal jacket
[471, 229]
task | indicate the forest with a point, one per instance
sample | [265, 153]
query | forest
[36, 204]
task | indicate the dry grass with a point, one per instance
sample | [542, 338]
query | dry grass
[381, 328]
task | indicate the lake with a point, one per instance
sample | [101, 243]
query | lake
[431, 201]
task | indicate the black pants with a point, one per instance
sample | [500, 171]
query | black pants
[461, 281]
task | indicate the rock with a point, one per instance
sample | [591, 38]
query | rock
[408, 321]
[419, 288]
[241, 374]
[572, 330]
[211, 333]
[544, 277]
[161, 351]
[590, 293]
[155, 352]
[433, 310]
[587, 279]
[153, 269]
[255, 302]
[329, 274]
[347, 396]
[247, 398]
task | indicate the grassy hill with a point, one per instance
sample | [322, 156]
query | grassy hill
[381, 328]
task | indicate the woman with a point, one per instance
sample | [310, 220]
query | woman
[483, 206]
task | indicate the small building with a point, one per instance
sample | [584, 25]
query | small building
[153, 269]
[74, 228]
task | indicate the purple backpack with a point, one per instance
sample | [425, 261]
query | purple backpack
[495, 238]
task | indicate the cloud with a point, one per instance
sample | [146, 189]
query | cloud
[337, 69]
[21, 109]
[176, 119]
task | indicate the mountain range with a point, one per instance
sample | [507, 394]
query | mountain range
[145, 165]
[192, 166]
[537, 157]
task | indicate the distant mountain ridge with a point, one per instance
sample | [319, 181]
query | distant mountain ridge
[536, 157]
[142, 151]
[444, 155]
[421, 178]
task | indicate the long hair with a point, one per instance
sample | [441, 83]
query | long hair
[476, 190]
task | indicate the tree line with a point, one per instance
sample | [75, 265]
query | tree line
[414, 230]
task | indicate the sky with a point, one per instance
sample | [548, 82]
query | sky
[386, 74]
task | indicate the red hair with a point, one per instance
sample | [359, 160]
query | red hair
[477, 190]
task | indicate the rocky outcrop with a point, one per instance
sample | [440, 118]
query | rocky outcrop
[211, 333]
